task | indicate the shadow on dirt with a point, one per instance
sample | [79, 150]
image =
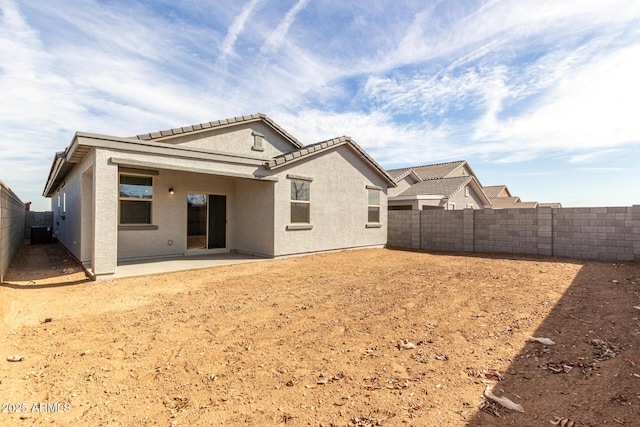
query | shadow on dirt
[27, 287]
[592, 373]
[50, 264]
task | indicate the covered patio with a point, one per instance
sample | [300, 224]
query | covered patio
[143, 267]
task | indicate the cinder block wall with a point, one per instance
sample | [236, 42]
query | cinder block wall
[443, 230]
[610, 233]
[404, 229]
[12, 217]
[597, 233]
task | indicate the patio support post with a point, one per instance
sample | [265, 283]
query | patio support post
[105, 217]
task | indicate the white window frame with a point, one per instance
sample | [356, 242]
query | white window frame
[302, 180]
[373, 190]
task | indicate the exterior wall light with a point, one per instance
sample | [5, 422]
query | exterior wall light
[171, 191]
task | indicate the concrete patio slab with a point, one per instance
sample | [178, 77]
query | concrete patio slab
[143, 267]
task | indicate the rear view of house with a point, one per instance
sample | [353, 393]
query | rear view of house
[241, 184]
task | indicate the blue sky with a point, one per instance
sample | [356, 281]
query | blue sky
[542, 96]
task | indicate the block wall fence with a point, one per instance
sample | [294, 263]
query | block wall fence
[604, 233]
[12, 218]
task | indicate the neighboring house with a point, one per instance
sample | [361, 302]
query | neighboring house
[510, 203]
[451, 185]
[242, 184]
[501, 198]
[495, 191]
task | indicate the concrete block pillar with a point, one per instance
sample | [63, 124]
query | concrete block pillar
[635, 235]
[416, 229]
[545, 231]
[468, 227]
[105, 217]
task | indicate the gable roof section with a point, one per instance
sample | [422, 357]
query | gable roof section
[444, 186]
[493, 191]
[165, 134]
[438, 170]
[398, 174]
[323, 146]
[435, 171]
[505, 202]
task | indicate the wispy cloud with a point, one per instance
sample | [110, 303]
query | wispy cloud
[277, 37]
[227, 48]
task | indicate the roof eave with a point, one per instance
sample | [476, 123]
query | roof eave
[168, 134]
[289, 158]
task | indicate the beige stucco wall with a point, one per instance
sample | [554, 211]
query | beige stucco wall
[105, 214]
[419, 204]
[169, 214]
[254, 217]
[461, 200]
[237, 139]
[66, 205]
[338, 197]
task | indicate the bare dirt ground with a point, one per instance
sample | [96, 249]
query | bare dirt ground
[317, 340]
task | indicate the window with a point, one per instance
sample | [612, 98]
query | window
[300, 205]
[373, 206]
[451, 206]
[136, 196]
[466, 191]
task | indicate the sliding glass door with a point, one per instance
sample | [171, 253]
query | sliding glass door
[206, 221]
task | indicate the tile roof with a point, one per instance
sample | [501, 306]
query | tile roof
[219, 123]
[492, 191]
[438, 170]
[523, 205]
[425, 172]
[444, 186]
[505, 202]
[398, 174]
[314, 149]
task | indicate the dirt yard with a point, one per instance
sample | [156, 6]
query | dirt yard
[355, 338]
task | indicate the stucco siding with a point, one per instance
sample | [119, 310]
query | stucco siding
[105, 214]
[254, 216]
[66, 206]
[338, 204]
[169, 214]
[238, 140]
[461, 200]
